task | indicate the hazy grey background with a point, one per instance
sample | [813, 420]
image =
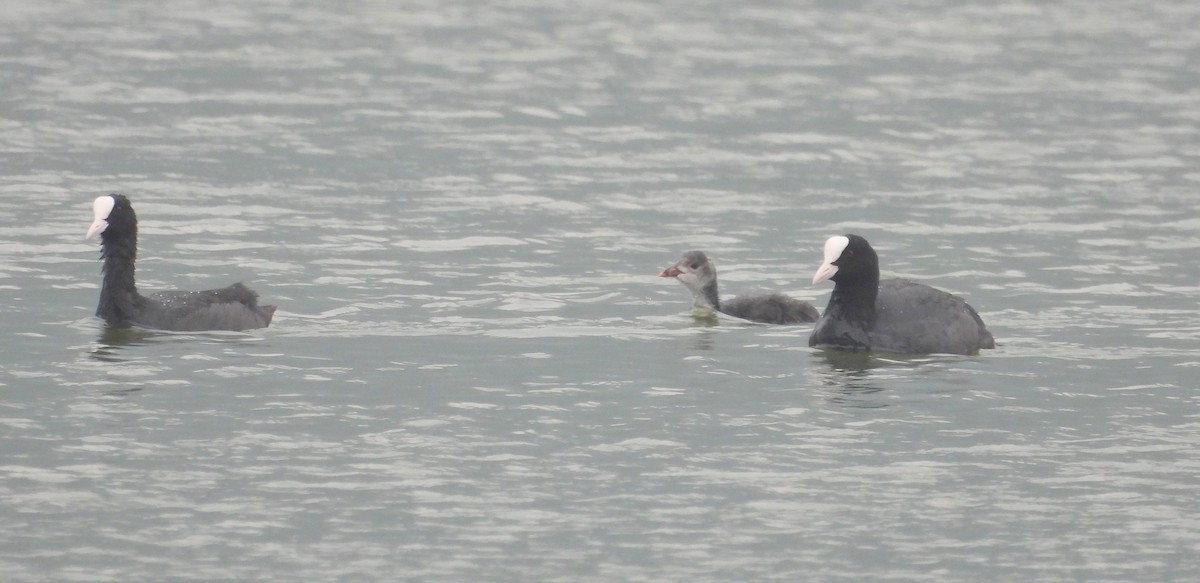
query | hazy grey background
[474, 375]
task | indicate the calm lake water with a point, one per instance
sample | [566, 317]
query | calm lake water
[474, 375]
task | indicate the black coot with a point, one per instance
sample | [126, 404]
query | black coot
[231, 308]
[697, 273]
[895, 315]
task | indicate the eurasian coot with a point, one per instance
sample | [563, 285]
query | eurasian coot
[697, 273]
[895, 315]
[231, 308]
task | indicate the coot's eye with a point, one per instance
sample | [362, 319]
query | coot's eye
[849, 253]
[695, 266]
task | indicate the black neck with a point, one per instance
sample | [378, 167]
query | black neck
[118, 293]
[855, 303]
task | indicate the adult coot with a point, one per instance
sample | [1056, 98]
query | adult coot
[697, 273]
[231, 308]
[895, 315]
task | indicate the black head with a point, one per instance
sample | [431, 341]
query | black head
[113, 218]
[848, 259]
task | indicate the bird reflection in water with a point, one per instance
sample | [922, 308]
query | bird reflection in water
[704, 339]
[857, 376]
[850, 377]
[115, 338]
[108, 348]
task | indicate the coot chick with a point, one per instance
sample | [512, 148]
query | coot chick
[895, 315]
[697, 273]
[231, 308]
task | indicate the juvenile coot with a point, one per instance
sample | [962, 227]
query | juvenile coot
[231, 308]
[697, 273]
[895, 315]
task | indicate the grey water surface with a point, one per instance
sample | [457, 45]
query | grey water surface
[474, 374]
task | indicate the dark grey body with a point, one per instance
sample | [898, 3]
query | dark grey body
[770, 309]
[909, 318]
[230, 308]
